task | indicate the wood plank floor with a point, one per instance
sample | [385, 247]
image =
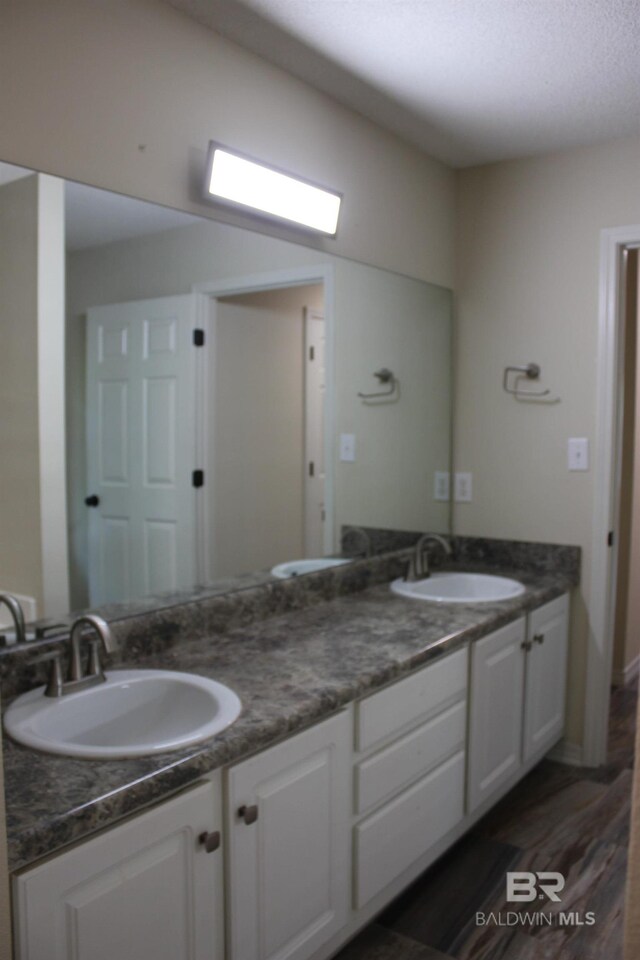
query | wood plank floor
[568, 819]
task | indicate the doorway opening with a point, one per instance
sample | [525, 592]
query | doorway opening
[611, 646]
[265, 428]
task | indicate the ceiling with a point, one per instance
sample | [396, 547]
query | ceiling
[468, 81]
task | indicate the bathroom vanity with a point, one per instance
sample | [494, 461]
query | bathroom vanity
[376, 731]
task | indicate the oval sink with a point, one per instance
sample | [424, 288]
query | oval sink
[134, 713]
[460, 588]
[294, 568]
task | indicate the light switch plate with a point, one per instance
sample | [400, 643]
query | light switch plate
[463, 488]
[578, 453]
[347, 447]
[442, 485]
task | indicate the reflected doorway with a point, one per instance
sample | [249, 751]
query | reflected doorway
[266, 432]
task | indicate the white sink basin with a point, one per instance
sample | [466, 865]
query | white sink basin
[134, 713]
[294, 568]
[459, 588]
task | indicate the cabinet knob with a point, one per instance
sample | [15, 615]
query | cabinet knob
[526, 644]
[248, 814]
[538, 638]
[210, 840]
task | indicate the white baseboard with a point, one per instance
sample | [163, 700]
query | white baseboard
[569, 753]
[620, 678]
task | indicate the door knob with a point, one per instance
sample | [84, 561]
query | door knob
[538, 638]
[248, 814]
[92, 501]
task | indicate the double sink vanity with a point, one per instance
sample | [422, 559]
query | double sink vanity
[361, 732]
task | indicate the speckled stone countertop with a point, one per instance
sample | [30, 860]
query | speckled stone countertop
[289, 670]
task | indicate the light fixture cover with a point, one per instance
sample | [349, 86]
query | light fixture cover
[238, 180]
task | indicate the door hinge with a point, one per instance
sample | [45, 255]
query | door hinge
[312, 469]
[198, 337]
[312, 353]
[197, 478]
[610, 538]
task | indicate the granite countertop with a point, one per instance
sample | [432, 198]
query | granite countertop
[289, 671]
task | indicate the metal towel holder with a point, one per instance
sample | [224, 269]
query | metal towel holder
[531, 372]
[384, 375]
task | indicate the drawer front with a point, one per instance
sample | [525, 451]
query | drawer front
[423, 693]
[410, 757]
[389, 841]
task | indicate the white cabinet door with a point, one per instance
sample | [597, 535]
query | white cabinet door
[546, 676]
[495, 728]
[289, 855]
[146, 890]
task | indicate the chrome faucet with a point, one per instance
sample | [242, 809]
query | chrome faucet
[362, 535]
[57, 687]
[418, 568]
[16, 614]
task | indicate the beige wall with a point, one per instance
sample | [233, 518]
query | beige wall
[32, 466]
[126, 94]
[20, 557]
[527, 290]
[257, 453]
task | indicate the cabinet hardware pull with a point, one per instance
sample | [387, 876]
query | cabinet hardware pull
[210, 841]
[538, 638]
[526, 645]
[248, 814]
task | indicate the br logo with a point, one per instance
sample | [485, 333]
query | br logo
[523, 887]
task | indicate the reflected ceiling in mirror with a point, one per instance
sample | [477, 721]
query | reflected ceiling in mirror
[213, 380]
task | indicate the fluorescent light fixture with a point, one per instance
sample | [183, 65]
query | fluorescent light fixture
[233, 178]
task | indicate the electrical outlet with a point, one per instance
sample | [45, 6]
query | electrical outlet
[578, 453]
[442, 485]
[347, 447]
[463, 487]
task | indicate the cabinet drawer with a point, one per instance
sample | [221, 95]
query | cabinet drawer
[389, 841]
[423, 693]
[414, 754]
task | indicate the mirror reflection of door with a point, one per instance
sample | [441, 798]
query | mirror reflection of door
[261, 426]
[141, 394]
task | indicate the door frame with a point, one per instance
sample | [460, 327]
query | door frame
[257, 283]
[310, 314]
[608, 446]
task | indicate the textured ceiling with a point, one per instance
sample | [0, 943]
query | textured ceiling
[469, 81]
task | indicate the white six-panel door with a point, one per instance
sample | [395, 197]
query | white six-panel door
[141, 448]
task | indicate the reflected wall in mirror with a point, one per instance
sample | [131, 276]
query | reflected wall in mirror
[212, 421]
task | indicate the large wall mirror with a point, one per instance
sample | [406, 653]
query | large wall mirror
[213, 423]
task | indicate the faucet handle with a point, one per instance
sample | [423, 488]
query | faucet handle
[54, 686]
